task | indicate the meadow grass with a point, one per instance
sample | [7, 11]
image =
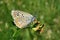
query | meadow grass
[46, 11]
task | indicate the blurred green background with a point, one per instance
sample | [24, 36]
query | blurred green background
[46, 11]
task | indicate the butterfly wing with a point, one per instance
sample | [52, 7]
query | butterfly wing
[21, 19]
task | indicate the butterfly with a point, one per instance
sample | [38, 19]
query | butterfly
[22, 19]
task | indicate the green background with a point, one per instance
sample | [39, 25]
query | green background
[46, 11]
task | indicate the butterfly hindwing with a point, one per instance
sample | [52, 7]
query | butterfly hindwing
[21, 19]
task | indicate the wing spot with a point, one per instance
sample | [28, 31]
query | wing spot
[17, 13]
[22, 15]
